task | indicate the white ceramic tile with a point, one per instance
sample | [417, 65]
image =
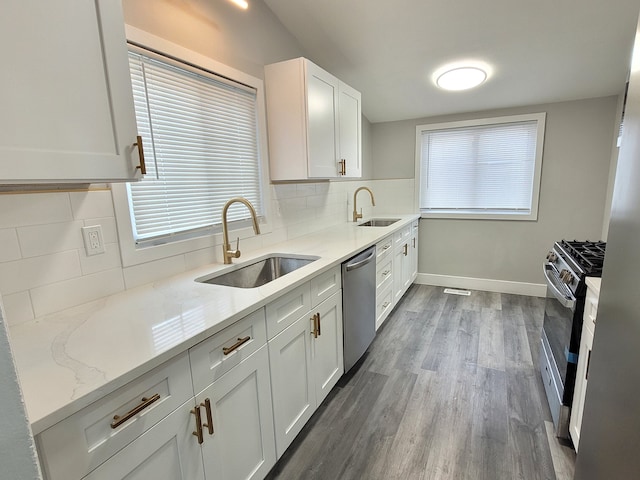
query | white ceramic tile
[108, 260]
[45, 239]
[33, 272]
[9, 246]
[91, 204]
[305, 189]
[152, 271]
[18, 308]
[285, 190]
[200, 257]
[34, 209]
[109, 229]
[58, 296]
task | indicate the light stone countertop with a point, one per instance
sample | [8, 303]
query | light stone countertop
[70, 359]
[594, 284]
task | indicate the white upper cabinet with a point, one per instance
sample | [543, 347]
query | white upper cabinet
[314, 123]
[67, 106]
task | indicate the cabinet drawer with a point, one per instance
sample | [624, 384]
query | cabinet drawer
[384, 273]
[325, 285]
[590, 310]
[401, 237]
[384, 247]
[77, 445]
[384, 304]
[208, 358]
[287, 309]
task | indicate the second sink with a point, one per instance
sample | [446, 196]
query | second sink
[379, 222]
[258, 272]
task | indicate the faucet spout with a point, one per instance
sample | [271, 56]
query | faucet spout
[357, 215]
[227, 252]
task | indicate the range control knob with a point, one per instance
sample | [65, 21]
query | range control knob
[566, 277]
[551, 256]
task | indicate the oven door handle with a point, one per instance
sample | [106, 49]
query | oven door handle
[565, 299]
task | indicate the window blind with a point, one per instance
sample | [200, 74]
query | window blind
[486, 169]
[201, 149]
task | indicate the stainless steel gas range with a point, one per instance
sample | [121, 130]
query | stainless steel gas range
[565, 269]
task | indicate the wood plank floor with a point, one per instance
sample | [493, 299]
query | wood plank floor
[449, 389]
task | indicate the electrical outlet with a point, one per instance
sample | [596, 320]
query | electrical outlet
[93, 243]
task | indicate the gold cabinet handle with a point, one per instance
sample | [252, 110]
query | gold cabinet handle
[319, 331]
[142, 167]
[386, 272]
[144, 403]
[386, 246]
[198, 432]
[406, 249]
[235, 346]
[343, 167]
[207, 409]
[316, 330]
[385, 304]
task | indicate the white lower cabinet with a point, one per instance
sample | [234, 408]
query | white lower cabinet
[237, 422]
[306, 362]
[168, 450]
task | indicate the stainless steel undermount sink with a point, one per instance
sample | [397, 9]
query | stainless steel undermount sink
[259, 272]
[379, 222]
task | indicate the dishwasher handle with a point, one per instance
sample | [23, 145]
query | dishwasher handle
[361, 263]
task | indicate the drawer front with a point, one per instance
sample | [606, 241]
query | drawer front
[401, 237]
[384, 247]
[384, 273]
[208, 358]
[287, 309]
[590, 310]
[325, 285]
[77, 445]
[384, 304]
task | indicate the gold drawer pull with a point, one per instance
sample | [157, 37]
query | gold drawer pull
[198, 432]
[316, 329]
[144, 403]
[406, 249]
[235, 346]
[388, 245]
[207, 409]
[142, 167]
[386, 272]
[319, 331]
[385, 304]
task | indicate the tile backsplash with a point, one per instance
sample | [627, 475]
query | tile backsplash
[44, 267]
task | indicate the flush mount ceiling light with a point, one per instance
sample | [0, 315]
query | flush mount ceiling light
[241, 3]
[460, 76]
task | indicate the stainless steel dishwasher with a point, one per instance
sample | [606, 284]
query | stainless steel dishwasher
[358, 305]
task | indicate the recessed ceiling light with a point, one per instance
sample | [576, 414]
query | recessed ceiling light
[461, 78]
[241, 3]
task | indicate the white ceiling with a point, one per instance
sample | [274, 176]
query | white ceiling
[540, 50]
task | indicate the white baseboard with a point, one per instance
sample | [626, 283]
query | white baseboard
[484, 284]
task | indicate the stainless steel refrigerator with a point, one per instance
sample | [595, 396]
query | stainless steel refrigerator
[610, 435]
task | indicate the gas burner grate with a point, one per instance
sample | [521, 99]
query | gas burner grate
[589, 255]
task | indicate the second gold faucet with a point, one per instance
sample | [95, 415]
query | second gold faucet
[357, 215]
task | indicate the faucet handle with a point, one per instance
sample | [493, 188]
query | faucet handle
[236, 253]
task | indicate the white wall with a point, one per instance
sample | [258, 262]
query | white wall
[17, 450]
[575, 171]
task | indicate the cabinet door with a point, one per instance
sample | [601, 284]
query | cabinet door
[399, 268]
[65, 91]
[292, 381]
[242, 444]
[350, 130]
[414, 250]
[577, 408]
[322, 118]
[328, 361]
[167, 450]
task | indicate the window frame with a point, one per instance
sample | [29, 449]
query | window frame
[540, 119]
[134, 254]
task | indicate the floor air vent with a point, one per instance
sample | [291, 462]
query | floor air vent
[455, 291]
